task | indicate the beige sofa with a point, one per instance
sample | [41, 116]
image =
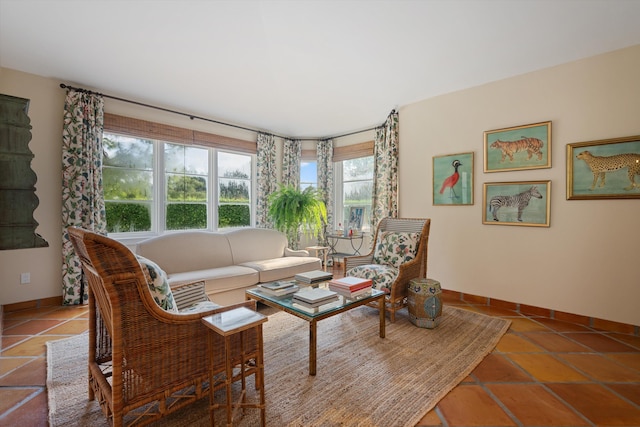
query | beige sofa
[228, 262]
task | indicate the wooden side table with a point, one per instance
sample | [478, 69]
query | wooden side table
[322, 250]
[235, 325]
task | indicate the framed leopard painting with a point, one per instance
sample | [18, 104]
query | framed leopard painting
[604, 169]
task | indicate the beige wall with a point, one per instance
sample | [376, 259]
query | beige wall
[44, 264]
[585, 263]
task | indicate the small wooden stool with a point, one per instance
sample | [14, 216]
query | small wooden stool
[323, 250]
[227, 324]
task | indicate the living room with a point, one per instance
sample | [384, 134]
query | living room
[581, 267]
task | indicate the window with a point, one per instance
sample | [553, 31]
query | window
[234, 181]
[127, 179]
[308, 174]
[186, 182]
[151, 186]
[356, 189]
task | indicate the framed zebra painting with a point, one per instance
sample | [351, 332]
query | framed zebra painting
[518, 148]
[517, 203]
[604, 169]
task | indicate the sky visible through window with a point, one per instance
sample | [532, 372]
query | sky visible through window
[308, 174]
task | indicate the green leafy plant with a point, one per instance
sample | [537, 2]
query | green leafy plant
[293, 211]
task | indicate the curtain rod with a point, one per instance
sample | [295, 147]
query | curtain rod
[193, 117]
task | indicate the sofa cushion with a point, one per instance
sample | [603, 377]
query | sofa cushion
[252, 244]
[395, 248]
[158, 284]
[187, 251]
[280, 268]
[231, 276]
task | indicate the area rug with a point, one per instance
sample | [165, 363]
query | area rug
[362, 379]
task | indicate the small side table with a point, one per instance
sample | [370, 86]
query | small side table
[227, 324]
[424, 302]
[322, 250]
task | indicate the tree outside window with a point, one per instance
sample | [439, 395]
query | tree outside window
[127, 178]
[234, 190]
[187, 176]
[357, 188]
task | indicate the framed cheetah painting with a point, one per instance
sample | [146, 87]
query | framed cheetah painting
[517, 203]
[518, 148]
[604, 169]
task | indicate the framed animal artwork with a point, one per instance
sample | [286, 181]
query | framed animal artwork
[604, 169]
[524, 203]
[453, 179]
[518, 148]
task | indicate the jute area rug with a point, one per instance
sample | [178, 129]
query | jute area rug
[362, 379]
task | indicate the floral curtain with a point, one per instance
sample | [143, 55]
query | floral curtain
[385, 170]
[82, 195]
[325, 183]
[291, 163]
[266, 177]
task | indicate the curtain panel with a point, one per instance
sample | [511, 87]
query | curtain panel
[385, 171]
[265, 177]
[325, 183]
[82, 195]
[291, 163]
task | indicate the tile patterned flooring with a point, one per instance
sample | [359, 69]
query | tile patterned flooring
[543, 372]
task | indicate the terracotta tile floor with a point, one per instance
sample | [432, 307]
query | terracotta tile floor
[543, 372]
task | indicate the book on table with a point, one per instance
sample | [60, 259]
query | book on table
[278, 284]
[353, 295]
[279, 289]
[314, 276]
[316, 309]
[350, 283]
[314, 297]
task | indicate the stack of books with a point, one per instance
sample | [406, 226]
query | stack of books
[315, 276]
[351, 287]
[279, 288]
[313, 297]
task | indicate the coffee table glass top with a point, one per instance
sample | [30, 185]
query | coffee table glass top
[286, 301]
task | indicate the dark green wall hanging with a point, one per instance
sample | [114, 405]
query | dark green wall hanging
[18, 197]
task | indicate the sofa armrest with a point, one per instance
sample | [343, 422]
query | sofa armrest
[291, 252]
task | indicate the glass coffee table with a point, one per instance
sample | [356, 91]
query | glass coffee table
[343, 304]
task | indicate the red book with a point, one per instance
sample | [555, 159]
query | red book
[351, 283]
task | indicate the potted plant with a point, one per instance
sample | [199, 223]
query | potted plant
[293, 211]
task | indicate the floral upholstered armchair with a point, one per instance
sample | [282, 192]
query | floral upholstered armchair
[398, 255]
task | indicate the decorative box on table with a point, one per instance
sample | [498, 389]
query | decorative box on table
[425, 302]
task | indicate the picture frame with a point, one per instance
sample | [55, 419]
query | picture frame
[354, 221]
[521, 203]
[604, 169]
[518, 148]
[453, 179]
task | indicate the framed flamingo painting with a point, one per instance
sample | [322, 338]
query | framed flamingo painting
[453, 179]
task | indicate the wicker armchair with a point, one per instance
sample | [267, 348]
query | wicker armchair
[394, 279]
[144, 362]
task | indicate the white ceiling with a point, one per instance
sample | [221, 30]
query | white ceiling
[302, 68]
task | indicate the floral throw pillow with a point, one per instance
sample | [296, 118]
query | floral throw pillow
[158, 285]
[395, 248]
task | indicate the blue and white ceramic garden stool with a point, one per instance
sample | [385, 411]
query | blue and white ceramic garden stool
[425, 302]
